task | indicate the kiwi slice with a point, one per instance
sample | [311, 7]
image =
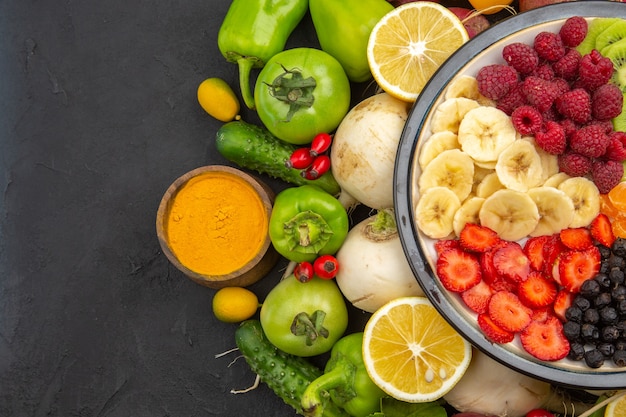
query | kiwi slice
[595, 28]
[617, 54]
[610, 35]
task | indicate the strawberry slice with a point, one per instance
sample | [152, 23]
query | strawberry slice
[542, 313]
[507, 311]
[492, 331]
[443, 244]
[458, 270]
[511, 262]
[477, 297]
[537, 291]
[577, 266]
[477, 238]
[601, 230]
[490, 273]
[562, 302]
[551, 252]
[577, 238]
[534, 250]
[545, 340]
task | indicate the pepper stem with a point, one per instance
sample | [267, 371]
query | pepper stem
[245, 67]
[316, 395]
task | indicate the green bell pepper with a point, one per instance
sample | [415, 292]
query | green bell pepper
[306, 222]
[346, 380]
[253, 31]
[343, 29]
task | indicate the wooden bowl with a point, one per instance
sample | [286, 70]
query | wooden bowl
[212, 224]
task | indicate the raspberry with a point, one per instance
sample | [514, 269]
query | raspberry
[512, 100]
[567, 66]
[590, 140]
[619, 135]
[606, 102]
[569, 127]
[527, 120]
[549, 46]
[544, 71]
[573, 31]
[495, 81]
[574, 164]
[606, 125]
[521, 56]
[551, 138]
[561, 85]
[575, 105]
[606, 174]
[594, 70]
[615, 151]
[539, 92]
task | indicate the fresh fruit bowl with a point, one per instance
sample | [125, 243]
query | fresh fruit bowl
[484, 49]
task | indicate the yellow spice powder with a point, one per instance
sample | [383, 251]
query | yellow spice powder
[216, 223]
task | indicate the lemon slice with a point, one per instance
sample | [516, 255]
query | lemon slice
[411, 352]
[616, 408]
[410, 43]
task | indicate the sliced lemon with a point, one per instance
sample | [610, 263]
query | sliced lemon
[411, 352]
[410, 43]
[616, 408]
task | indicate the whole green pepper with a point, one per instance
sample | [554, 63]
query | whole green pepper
[306, 222]
[343, 29]
[346, 380]
[253, 31]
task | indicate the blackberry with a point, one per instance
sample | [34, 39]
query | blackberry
[576, 351]
[610, 333]
[608, 315]
[571, 330]
[589, 332]
[619, 247]
[607, 349]
[583, 303]
[603, 299]
[619, 358]
[591, 316]
[574, 313]
[616, 275]
[594, 358]
[603, 279]
[590, 288]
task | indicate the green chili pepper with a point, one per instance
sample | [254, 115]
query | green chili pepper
[253, 31]
[343, 29]
[346, 380]
[306, 222]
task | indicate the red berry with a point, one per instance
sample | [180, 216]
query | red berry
[319, 166]
[606, 174]
[521, 56]
[458, 270]
[320, 144]
[567, 66]
[615, 151]
[303, 271]
[573, 31]
[443, 244]
[551, 138]
[577, 266]
[534, 250]
[545, 340]
[540, 412]
[549, 46]
[326, 266]
[477, 297]
[594, 70]
[562, 302]
[590, 140]
[496, 80]
[300, 159]
[574, 164]
[606, 102]
[527, 120]
[539, 93]
[511, 262]
[575, 105]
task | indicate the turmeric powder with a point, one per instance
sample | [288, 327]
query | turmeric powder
[217, 223]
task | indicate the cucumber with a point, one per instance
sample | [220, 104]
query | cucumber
[255, 148]
[287, 375]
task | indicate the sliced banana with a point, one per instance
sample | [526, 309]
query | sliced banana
[519, 166]
[586, 199]
[556, 179]
[466, 86]
[450, 112]
[453, 169]
[556, 210]
[512, 214]
[480, 173]
[549, 162]
[435, 212]
[467, 213]
[485, 132]
[489, 185]
[436, 144]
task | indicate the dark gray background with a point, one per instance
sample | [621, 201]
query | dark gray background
[98, 116]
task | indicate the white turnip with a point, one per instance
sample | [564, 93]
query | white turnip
[364, 149]
[372, 266]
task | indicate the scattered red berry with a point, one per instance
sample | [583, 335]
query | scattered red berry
[590, 140]
[606, 102]
[303, 271]
[527, 120]
[567, 66]
[540, 412]
[319, 166]
[300, 159]
[326, 266]
[575, 105]
[539, 93]
[320, 144]
[521, 56]
[545, 339]
[594, 70]
[551, 138]
[511, 262]
[574, 164]
[615, 150]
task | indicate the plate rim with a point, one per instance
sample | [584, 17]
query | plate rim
[404, 170]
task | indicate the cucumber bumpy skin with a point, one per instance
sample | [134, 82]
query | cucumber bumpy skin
[287, 375]
[253, 147]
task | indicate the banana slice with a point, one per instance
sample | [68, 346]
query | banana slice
[556, 179]
[435, 212]
[512, 214]
[467, 213]
[549, 162]
[466, 86]
[489, 185]
[453, 169]
[480, 173]
[435, 144]
[450, 112]
[484, 132]
[586, 199]
[519, 166]
[556, 210]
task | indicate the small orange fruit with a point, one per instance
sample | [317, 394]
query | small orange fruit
[618, 196]
[489, 6]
